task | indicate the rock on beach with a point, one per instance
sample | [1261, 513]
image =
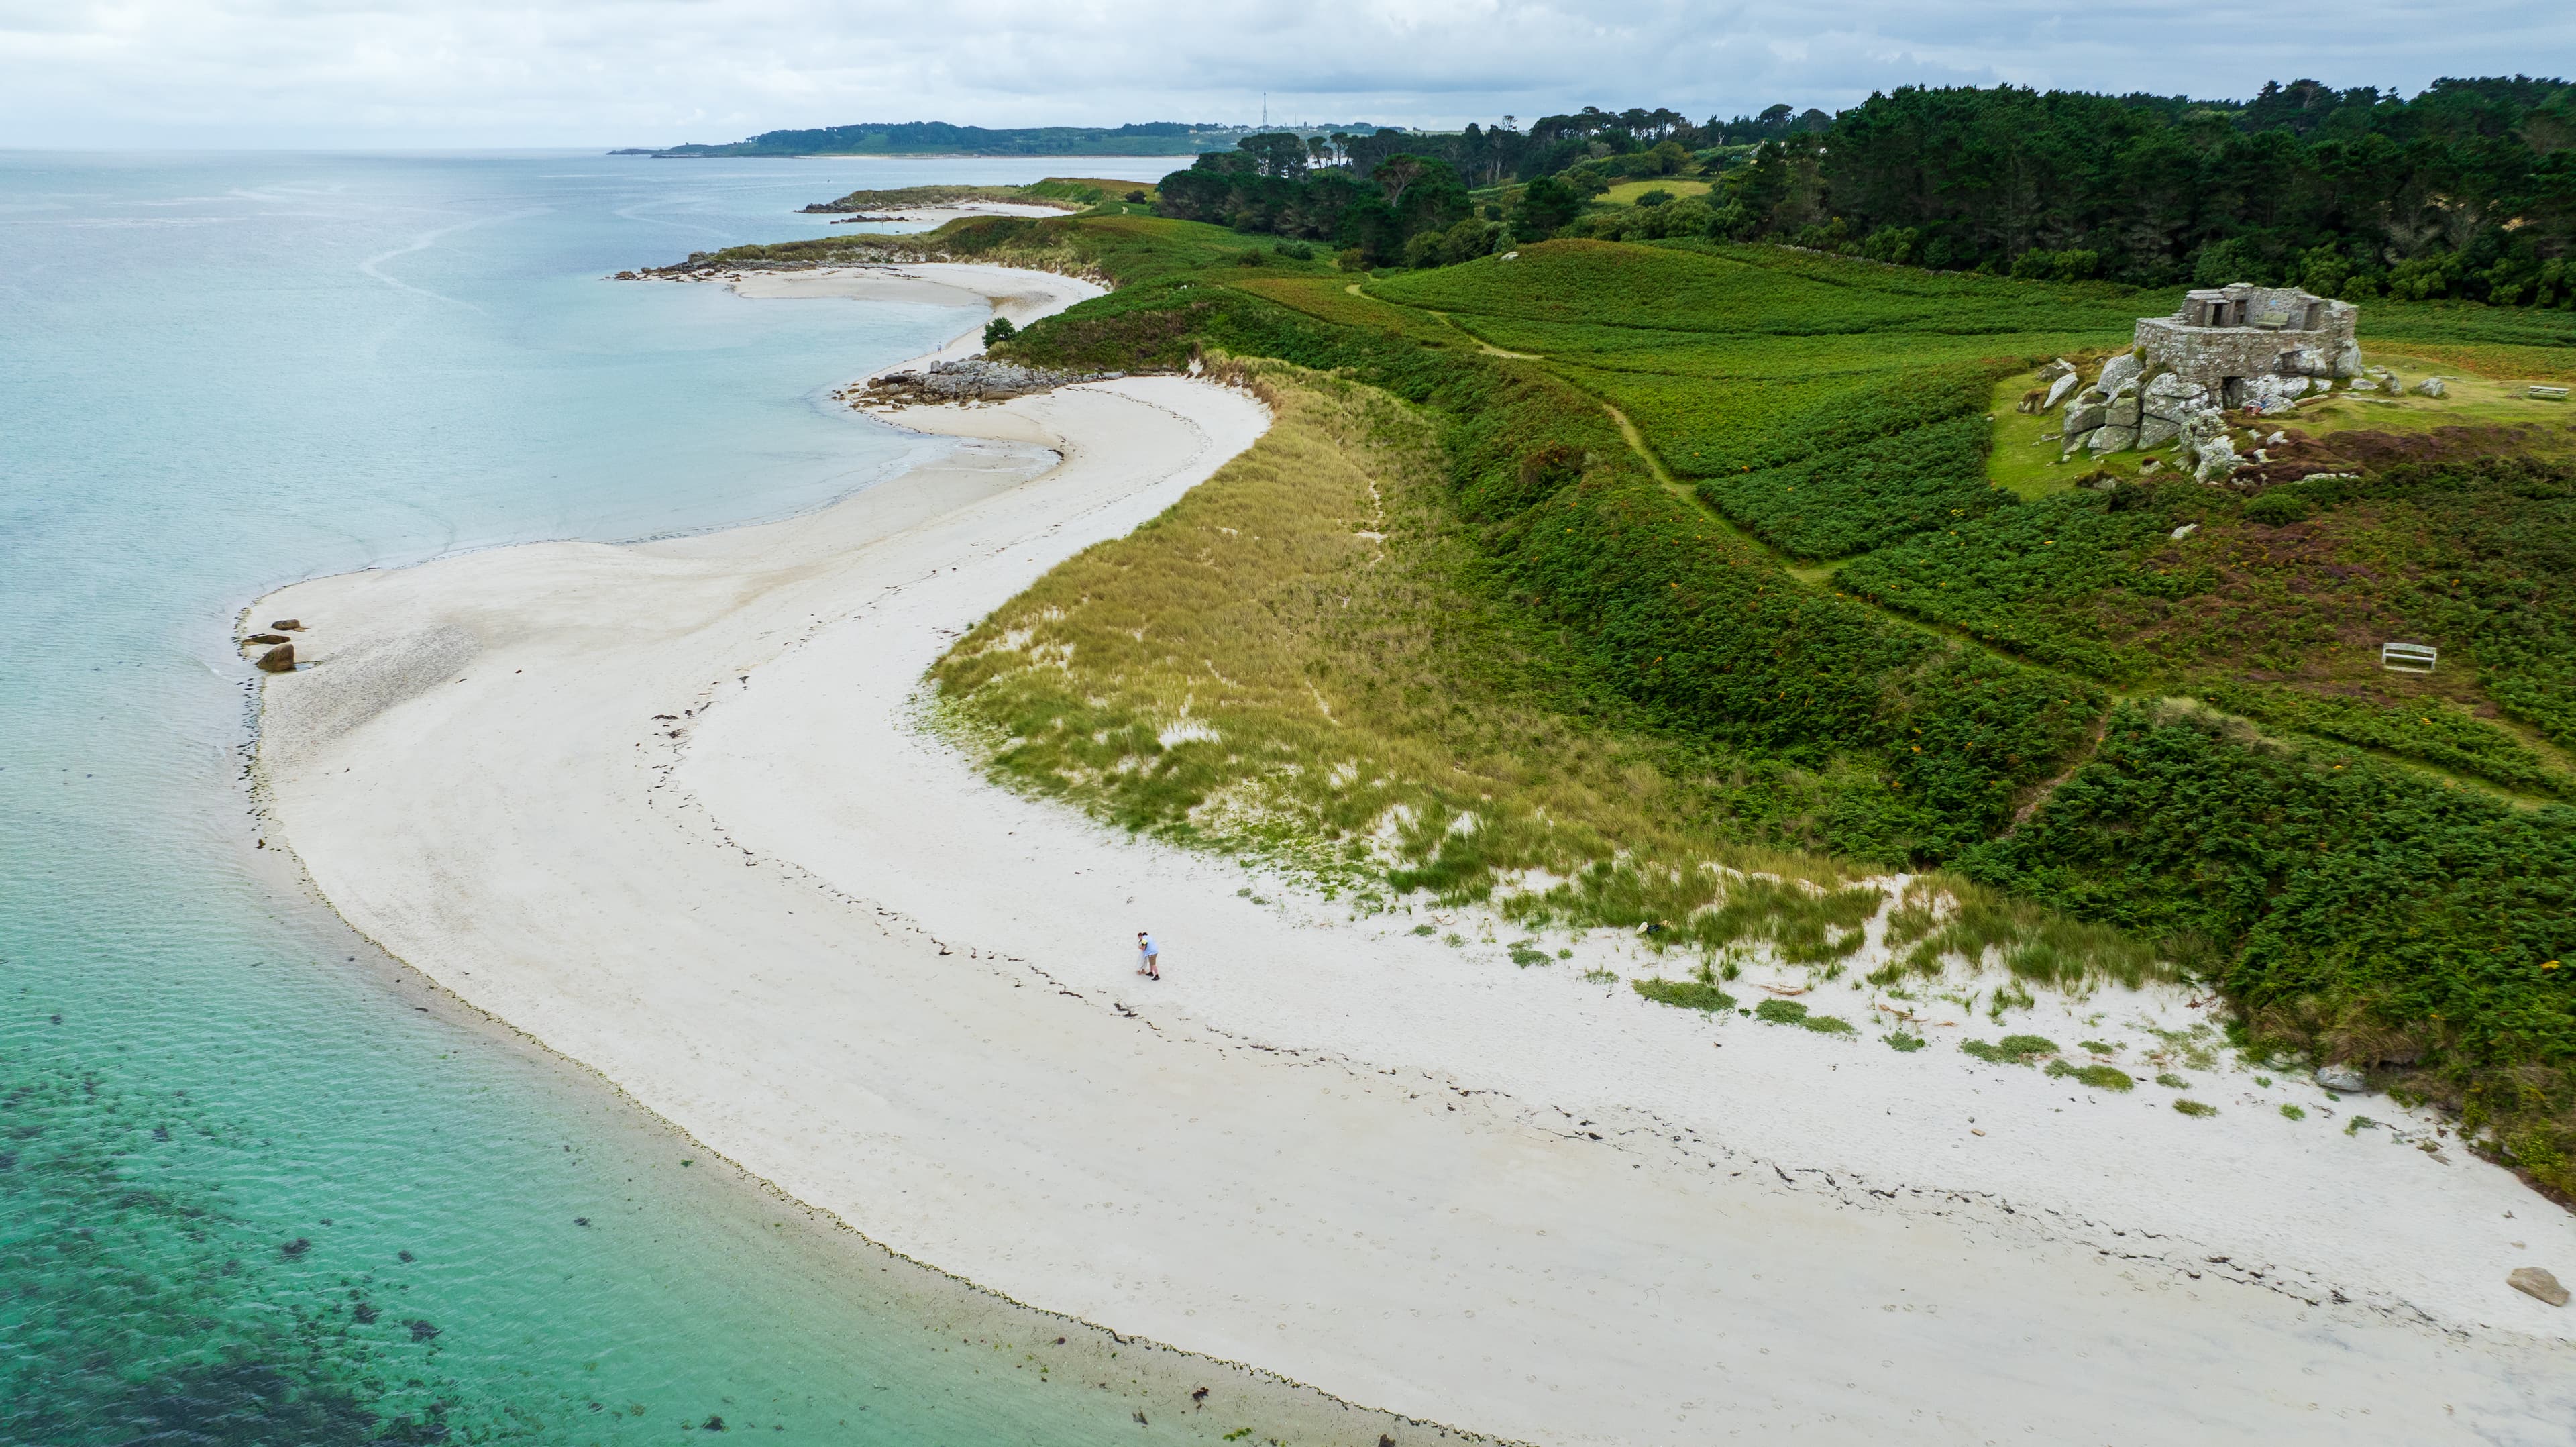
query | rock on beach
[2534, 1282]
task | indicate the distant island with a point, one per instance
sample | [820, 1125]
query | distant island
[936, 138]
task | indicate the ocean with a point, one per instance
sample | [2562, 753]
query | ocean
[255, 1185]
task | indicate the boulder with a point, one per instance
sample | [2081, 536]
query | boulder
[2155, 432]
[2083, 416]
[2111, 438]
[287, 625]
[2341, 1079]
[2118, 371]
[2034, 400]
[2266, 393]
[265, 638]
[2217, 460]
[2168, 395]
[2058, 389]
[280, 659]
[2392, 384]
[2054, 370]
[2532, 1281]
[2430, 387]
[2123, 412]
[2347, 363]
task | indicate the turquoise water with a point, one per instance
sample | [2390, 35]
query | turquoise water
[250, 1189]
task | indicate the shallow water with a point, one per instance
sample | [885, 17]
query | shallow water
[255, 1184]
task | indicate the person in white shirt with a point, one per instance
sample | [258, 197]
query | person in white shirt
[1148, 956]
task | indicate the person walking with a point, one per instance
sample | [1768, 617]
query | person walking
[1148, 956]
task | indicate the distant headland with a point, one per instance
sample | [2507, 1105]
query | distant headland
[937, 138]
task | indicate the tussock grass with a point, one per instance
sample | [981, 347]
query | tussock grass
[2100, 1077]
[1686, 994]
[1293, 663]
[2010, 1050]
[1792, 1012]
[1943, 920]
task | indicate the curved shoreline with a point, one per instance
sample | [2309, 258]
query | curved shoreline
[1020, 1117]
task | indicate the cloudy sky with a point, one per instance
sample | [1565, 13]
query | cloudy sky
[650, 72]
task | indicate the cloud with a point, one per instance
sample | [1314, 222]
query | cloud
[581, 72]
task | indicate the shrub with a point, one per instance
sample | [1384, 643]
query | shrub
[1903, 1043]
[1686, 994]
[2195, 1108]
[2011, 1050]
[999, 329]
[2292, 1112]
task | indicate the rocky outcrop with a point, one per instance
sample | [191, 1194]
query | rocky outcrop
[975, 379]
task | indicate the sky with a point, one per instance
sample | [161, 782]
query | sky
[484, 73]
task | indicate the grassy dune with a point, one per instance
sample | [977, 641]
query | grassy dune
[2150, 752]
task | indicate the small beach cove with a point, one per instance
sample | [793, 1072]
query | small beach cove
[671, 810]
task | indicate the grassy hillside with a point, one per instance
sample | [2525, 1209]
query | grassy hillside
[2184, 741]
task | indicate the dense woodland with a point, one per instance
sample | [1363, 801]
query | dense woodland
[2467, 190]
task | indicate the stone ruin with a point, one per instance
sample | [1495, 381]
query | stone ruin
[2239, 346]
[2232, 342]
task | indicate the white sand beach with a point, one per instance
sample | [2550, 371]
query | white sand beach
[671, 809]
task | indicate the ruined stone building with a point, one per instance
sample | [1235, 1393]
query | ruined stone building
[2225, 340]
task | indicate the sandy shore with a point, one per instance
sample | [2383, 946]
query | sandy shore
[670, 809]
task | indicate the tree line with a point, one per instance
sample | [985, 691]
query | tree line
[2467, 189]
